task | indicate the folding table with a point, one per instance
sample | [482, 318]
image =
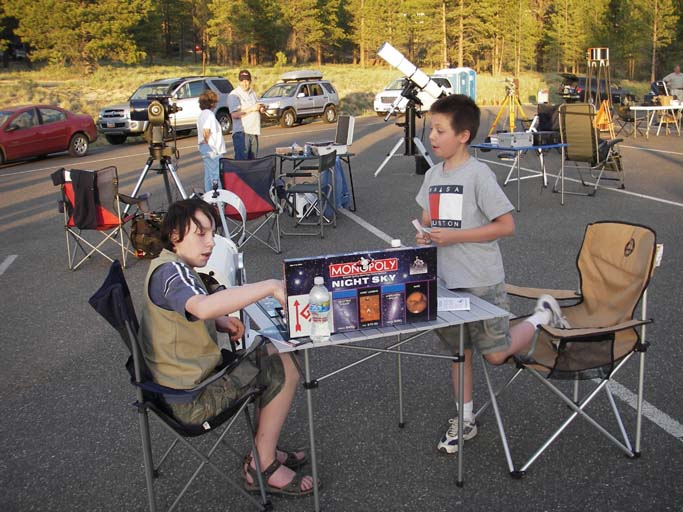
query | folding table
[515, 164]
[479, 310]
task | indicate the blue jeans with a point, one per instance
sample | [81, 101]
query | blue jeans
[245, 145]
[211, 166]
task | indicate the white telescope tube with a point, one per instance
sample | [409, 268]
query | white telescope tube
[410, 70]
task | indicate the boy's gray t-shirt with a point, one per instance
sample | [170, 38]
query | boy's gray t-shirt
[464, 198]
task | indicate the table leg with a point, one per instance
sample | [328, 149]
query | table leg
[541, 157]
[562, 179]
[461, 405]
[353, 193]
[401, 422]
[635, 123]
[519, 186]
[309, 401]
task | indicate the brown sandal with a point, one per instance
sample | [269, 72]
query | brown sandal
[292, 461]
[293, 488]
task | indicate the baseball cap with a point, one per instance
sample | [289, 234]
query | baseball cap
[244, 75]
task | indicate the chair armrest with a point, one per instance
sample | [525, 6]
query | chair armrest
[140, 201]
[535, 293]
[298, 175]
[582, 332]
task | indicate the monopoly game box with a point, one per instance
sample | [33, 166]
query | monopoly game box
[369, 289]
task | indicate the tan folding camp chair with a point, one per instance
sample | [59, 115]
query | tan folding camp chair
[578, 131]
[615, 265]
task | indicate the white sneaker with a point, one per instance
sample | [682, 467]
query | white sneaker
[548, 303]
[449, 441]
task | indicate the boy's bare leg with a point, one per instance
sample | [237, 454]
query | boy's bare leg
[521, 336]
[271, 419]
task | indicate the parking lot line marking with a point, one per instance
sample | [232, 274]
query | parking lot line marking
[659, 418]
[652, 150]
[618, 190]
[8, 261]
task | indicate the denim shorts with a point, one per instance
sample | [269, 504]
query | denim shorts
[219, 395]
[486, 335]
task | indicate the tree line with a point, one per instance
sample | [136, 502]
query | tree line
[513, 36]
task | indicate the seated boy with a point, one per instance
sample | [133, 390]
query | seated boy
[468, 212]
[178, 337]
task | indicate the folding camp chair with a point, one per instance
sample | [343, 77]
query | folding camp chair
[113, 302]
[615, 264]
[253, 181]
[627, 121]
[319, 206]
[578, 131]
[91, 202]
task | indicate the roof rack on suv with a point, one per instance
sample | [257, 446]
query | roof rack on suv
[303, 74]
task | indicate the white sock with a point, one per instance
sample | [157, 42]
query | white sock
[540, 317]
[468, 411]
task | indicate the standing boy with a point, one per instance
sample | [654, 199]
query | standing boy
[210, 139]
[468, 212]
[246, 118]
[178, 338]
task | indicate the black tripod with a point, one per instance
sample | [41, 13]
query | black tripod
[409, 139]
[160, 151]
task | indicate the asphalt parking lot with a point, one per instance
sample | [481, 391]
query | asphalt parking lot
[69, 435]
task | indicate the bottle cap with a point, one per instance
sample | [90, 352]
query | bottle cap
[396, 242]
[318, 280]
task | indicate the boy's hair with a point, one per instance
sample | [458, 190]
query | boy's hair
[462, 110]
[179, 216]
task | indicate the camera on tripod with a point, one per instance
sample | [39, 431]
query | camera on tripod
[511, 86]
[156, 109]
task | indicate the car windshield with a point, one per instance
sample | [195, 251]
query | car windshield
[443, 82]
[149, 89]
[280, 90]
[4, 116]
[396, 85]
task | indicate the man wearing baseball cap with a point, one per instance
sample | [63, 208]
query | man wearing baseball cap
[246, 118]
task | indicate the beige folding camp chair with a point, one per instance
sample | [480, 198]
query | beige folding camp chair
[615, 265]
[578, 131]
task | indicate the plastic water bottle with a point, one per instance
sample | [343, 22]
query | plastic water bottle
[319, 306]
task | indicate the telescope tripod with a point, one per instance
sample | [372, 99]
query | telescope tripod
[513, 107]
[162, 154]
[409, 139]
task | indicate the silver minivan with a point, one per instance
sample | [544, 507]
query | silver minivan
[299, 95]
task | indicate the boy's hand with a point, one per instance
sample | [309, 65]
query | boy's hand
[422, 238]
[442, 237]
[232, 325]
[278, 291]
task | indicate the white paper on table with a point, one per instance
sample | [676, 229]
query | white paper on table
[453, 304]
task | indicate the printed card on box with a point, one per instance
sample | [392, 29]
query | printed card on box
[369, 289]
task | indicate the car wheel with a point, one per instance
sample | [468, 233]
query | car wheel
[116, 139]
[183, 133]
[330, 114]
[2, 157]
[79, 144]
[225, 121]
[288, 118]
